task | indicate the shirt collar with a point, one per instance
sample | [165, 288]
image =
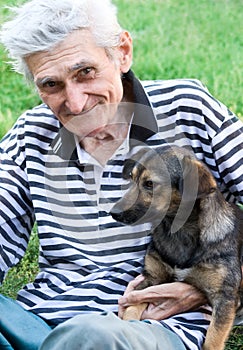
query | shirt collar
[144, 124]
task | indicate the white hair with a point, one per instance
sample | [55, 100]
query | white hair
[39, 25]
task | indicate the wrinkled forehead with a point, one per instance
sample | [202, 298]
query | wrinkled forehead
[77, 50]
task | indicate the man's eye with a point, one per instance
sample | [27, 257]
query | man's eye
[50, 84]
[88, 72]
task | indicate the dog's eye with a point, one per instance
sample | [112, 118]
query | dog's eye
[148, 184]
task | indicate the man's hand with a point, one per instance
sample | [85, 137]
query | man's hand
[163, 300]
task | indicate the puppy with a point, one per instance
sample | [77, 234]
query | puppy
[196, 238]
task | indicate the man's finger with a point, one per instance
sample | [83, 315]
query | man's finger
[133, 284]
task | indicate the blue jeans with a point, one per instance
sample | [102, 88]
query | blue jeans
[23, 330]
[20, 329]
[107, 332]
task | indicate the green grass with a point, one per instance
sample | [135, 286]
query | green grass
[189, 38]
[16, 96]
[172, 39]
[24, 272]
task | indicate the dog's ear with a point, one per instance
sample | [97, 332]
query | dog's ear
[127, 169]
[207, 183]
[134, 161]
[197, 181]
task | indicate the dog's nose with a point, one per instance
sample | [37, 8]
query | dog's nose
[116, 213]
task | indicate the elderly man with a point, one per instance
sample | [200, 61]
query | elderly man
[61, 166]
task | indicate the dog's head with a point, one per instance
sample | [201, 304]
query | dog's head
[161, 181]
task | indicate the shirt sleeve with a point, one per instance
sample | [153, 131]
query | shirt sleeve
[16, 213]
[226, 132]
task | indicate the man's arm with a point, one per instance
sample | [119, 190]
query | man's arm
[16, 212]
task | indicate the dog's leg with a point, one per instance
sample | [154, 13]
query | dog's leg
[155, 272]
[221, 289]
[219, 329]
[134, 312]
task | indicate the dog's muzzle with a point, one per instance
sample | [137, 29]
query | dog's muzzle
[118, 215]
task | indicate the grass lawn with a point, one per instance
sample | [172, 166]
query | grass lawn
[172, 39]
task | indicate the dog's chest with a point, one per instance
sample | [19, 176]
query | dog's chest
[179, 249]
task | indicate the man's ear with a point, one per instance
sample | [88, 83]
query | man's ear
[126, 51]
[197, 182]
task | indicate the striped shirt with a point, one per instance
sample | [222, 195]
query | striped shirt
[86, 258]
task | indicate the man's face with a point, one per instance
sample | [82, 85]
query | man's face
[80, 83]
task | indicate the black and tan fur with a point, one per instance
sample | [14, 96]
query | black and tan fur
[196, 238]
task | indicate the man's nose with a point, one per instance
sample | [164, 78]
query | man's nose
[75, 98]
